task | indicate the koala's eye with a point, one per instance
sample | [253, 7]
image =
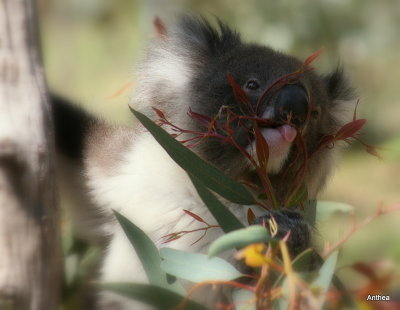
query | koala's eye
[252, 84]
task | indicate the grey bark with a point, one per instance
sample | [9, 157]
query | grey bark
[29, 236]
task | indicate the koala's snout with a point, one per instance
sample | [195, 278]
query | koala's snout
[292, 105]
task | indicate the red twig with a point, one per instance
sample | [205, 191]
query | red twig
[380, 210]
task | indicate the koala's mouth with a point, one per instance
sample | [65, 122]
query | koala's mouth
[279, 138]
[277, 132]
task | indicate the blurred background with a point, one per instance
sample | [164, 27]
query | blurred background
[91, 48]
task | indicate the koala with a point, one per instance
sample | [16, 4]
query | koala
[186, 68]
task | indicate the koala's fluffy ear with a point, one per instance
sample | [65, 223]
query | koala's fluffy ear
[338, 86]
[199, 35]
[341, 96]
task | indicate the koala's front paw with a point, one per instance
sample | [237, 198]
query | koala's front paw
[300, 237]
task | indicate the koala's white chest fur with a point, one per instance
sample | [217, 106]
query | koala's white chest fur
[151, 190]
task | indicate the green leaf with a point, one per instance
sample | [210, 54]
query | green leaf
[222, 215]
[158, 297]
[310, 211]
[283, 301]
[196, 267]
[189, 161]
[301, 264]
[91, 258]
[303, 261]
[325, 209]
[299, 197]
[244, 300]
[346, 297]
[71, 268]
[67, 241]
[147, 253]
[325, 275]
[238, 239]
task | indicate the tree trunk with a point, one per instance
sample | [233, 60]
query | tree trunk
[29, 235]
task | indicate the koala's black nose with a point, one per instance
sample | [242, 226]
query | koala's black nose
[292, 105]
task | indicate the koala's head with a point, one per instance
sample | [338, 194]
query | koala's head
[188, 69]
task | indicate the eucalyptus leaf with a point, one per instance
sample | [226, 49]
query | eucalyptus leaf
[222, 215]
[158, 297]
[196, 267]
[239, 238]
[189, 161]
[325, 275]
[310, 258]
[325, 209]
[70, 268]
[300, 196]
[147, 253]
[91, 258]
[244, 299]
[310, 211]
[346, 298]
[283, 302]
[302, 263]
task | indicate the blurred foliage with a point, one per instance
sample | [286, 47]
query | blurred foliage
[91, 47]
